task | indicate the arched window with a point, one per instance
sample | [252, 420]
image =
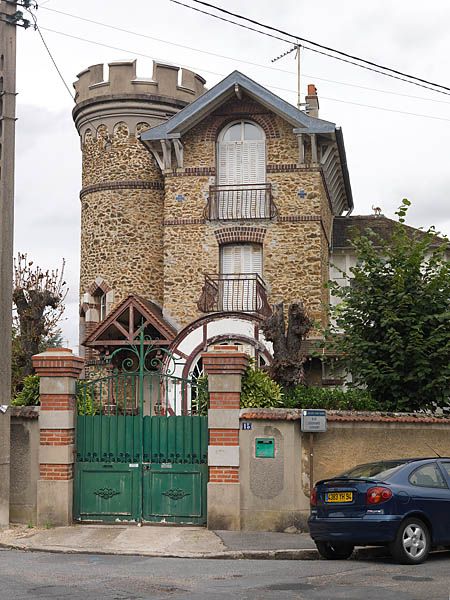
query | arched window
[241, 161]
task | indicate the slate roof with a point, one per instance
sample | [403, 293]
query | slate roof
[213, 98]
[344, 228]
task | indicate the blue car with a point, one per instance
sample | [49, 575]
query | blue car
[402, 504]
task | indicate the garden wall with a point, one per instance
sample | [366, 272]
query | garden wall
[275, 491]
[24, 463]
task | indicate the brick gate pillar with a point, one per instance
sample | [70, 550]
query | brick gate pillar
[58, 370]
[224, 366]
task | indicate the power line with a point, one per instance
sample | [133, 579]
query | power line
[37, 28]
[298, 39]
[393, 110]
[241, 60]
[361, 66]
[223, 75]
[81, 39]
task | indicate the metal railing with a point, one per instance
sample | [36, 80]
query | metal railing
[240, 292]
[240, 201]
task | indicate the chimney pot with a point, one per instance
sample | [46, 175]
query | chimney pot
[312, 101]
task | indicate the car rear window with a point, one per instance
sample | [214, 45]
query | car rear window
[377, 470]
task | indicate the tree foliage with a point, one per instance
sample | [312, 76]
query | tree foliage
[38, 298]
[395, 315]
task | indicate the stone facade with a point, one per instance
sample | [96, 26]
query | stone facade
[296, 244]
[145, 227]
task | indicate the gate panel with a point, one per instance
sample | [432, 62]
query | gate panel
[107, 492]
[175, 493]
[141, 449]
[175, 469]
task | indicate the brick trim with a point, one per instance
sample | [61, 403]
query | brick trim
[230, 235]
[121, 185]
[223, 474]
[194, 172]
[291, 168]
[57, 402]
[184, 222]
[57, 437]
[221, 363]
[103, 286]
[224, 437]
[244, 110]
[56, 472]
[299, 218]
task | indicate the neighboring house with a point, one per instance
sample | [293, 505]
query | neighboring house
[201, 208]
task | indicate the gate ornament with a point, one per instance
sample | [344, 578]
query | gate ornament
[106, 493]
[143, 357]
[176, 494]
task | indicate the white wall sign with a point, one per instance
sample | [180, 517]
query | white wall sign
[314, 420]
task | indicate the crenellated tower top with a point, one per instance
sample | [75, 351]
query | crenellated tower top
[124, 97]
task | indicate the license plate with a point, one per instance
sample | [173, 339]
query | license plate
[339, 497]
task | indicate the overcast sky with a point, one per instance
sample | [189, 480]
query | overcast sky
[390, 155]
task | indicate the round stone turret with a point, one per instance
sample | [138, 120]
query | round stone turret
[122, 187]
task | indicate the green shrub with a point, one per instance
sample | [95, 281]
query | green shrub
[29, 394]
[259, 390]
[86, 404]
[330, 398]
[200, 396]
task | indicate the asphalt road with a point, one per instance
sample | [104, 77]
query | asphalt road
[29, 575]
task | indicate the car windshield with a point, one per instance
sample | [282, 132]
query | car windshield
[377, 470]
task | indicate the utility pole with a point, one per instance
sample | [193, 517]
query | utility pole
[8, 12]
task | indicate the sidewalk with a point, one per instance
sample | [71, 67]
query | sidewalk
[164, 541]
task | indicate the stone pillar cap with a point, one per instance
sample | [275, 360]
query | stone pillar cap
[58, 362]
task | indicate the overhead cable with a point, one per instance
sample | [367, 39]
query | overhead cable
[298, 38]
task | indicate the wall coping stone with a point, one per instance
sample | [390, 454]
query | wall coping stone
[294, 414]
[24, 412]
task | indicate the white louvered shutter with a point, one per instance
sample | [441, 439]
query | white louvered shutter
[240, 262]
[254, 172]
[230, 173]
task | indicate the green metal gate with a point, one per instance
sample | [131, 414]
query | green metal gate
[141, 442]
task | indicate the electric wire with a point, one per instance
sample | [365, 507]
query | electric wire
[361, 66]
[223, 75]
[241, 60]
[323, 47]
[37, 28]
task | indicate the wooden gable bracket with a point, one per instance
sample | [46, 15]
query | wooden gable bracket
[167, 154]
[158, 156]
[178, 147]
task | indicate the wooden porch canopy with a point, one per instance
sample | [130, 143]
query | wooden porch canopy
[123, 326]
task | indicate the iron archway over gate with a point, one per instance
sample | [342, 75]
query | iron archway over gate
[142, 441]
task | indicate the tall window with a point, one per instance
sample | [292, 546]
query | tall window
[240, 268]
[241, 159]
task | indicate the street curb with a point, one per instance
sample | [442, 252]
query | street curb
[294, 554]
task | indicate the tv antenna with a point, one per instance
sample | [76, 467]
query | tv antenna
[297, 49]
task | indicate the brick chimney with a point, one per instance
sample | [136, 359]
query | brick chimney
[312, 101]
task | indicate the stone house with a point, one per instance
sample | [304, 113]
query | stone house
[200, 209]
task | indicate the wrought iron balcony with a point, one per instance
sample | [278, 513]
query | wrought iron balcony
[239, 202]
[241, 292]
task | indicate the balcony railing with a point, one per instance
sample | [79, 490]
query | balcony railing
[241, 292]
[240, 201]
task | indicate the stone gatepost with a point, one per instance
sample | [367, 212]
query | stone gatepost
[59, 370]
[224, 366]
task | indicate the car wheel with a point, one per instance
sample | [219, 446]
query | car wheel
[412, 542]
[334, 550]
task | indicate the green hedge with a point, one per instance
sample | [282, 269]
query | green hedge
[330, 398]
